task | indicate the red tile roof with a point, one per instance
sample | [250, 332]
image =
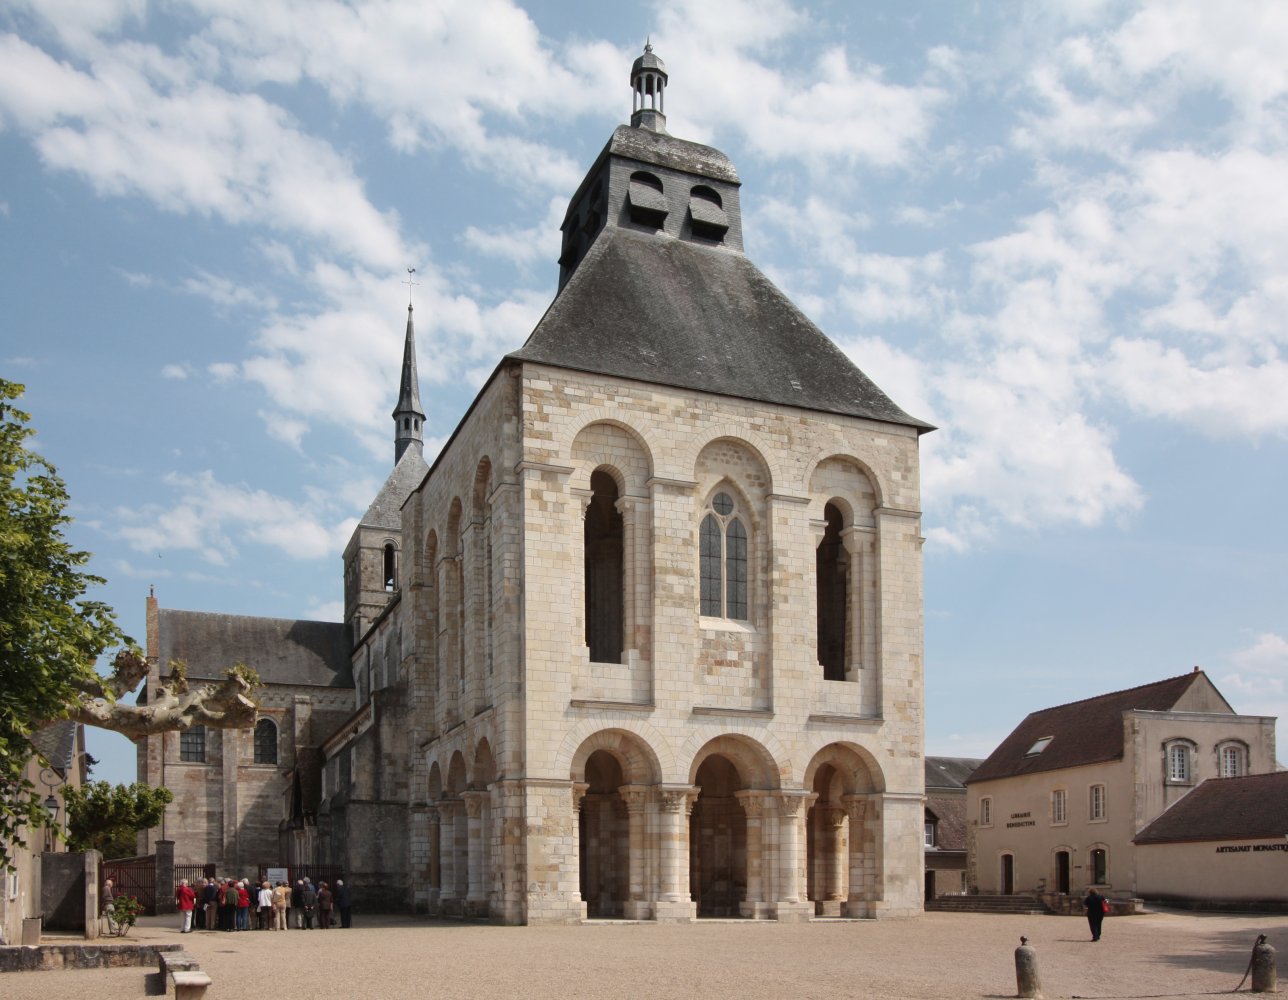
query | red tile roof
[1082, 732]
[1250, 808]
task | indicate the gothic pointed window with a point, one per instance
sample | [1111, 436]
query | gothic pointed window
[723, 547]
[604, 580]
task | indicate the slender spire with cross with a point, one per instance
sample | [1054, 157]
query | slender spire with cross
[409, 418]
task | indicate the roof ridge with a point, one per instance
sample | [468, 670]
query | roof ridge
[262, 618]
[1111, 694]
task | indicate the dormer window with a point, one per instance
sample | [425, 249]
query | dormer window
[1039, 746]
[706, 213]
[647, 201]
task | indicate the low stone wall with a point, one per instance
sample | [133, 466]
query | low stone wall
[34, 958]
[1071, 906]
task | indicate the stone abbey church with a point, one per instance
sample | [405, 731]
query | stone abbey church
[643, 642]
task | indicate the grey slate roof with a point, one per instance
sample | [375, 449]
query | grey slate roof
[385, 509]
[1247, 808]
[282, 650]
[1083, 732]
[949, 772]
[950, 830]
[56, 742]
[676, 313]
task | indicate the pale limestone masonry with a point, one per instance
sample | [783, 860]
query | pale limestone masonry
[645, 640]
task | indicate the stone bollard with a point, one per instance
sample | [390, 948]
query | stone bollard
[1027, 981]
[1265, 978]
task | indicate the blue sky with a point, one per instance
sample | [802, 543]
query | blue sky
[1057, 231]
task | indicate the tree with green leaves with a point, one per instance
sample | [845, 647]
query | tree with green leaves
[105, 817]
[52, 635]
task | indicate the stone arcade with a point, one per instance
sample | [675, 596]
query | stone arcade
[645, 640]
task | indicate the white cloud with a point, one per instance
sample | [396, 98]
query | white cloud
[836, 112]
[227, 293]
[214, 519]
[176, 371]
[139, 123]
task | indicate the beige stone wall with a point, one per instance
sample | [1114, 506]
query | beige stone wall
[1136, 788]
[509, 709]
[1023, 827]
[1234, 871]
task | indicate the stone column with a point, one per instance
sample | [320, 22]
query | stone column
[792, 806]
[165, 880]
[636, 798]
[831, 895]
[675, 804]
[579, 790]
[435, 822]
[447, 810]
[859, 899]
[626, 507]
[461, 852]
[753, 805]
[476, 853]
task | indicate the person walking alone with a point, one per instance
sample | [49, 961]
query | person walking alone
[1096, 906]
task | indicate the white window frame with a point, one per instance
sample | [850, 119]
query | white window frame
[1059, 806]
[986, 811]
[1180, 763]
[1232, 752]
[1097, 809]
[929, 833]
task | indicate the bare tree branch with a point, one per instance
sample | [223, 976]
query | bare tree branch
[226, 705]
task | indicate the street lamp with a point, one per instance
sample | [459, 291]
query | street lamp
[51, 804]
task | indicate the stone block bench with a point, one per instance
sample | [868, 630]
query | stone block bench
[183, 970]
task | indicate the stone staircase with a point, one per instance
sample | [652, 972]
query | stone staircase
[986, 904]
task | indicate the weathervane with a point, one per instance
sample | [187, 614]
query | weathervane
[410, 283]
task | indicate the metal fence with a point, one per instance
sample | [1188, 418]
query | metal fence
[135, 877]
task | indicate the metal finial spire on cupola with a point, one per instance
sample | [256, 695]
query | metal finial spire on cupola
[648, 89]
[409, 418]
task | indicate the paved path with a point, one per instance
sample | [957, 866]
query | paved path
[939, 955]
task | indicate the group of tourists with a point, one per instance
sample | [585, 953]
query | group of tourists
[227, 904]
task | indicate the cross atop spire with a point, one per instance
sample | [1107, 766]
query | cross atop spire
[409, 418]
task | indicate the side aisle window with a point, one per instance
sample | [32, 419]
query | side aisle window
[723, 546]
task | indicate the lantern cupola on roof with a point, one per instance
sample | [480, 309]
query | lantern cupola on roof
[648, 82]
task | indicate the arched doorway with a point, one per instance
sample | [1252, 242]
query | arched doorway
[827, 844]
[844, 838]
[718, 840]
[603, 838]
[1062, 872]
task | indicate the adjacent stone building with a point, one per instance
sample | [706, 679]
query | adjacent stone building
[1057, 806]
[944, 834]
[645, 640]
[1225, 845]
[245, 798]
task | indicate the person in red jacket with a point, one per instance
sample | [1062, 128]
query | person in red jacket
[243, 906]
[186, 897]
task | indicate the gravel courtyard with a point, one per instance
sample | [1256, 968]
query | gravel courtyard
[939, 955]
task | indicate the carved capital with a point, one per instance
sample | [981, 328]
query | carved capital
[474, 803]
[790, 803]
[579, 790]
[752, 802]
[856, 806]
[635, 797]
[675, 800]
